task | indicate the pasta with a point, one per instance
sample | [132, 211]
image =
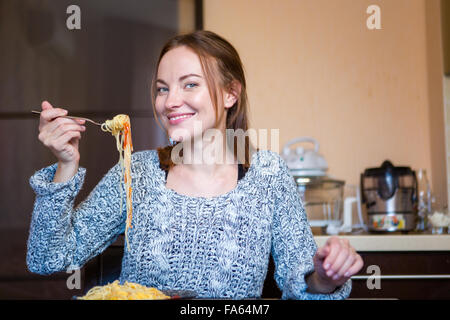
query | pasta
[127, 291]
[120, 128]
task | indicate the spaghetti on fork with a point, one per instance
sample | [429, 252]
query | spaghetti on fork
[120, 128]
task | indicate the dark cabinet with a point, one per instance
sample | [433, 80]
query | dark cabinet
[404, 275]
[98, 71]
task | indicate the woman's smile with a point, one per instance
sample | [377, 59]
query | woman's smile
[176, 118]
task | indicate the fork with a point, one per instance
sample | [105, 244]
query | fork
[70, 117]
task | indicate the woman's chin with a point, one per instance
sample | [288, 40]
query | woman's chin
[185, 139]
[191, 131]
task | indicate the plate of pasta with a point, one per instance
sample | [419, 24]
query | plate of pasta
[133, 291]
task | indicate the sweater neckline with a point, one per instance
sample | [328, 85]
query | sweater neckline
[239, 185]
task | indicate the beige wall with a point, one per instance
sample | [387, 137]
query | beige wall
[186, 16]
[435, 74]
[314, 69]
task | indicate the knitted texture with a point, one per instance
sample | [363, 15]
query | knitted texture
[218, 247]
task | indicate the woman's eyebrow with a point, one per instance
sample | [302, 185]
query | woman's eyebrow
[181, 78]
[189, 75]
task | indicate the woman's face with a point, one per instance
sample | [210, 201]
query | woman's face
[183, 99]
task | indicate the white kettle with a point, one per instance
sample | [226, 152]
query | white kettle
[304, 162]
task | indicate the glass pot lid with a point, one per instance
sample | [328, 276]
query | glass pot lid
[319, 182]
[319, 190]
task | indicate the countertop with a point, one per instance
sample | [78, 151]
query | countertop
[394, 242]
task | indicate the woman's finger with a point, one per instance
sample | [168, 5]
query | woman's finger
[52, 126]
[350, 260]
[46, 105]
[62, 129]
[52, 113]
[47, 132]
[61, 142]
[334, 247]
[341, 257]
[322, 252]
[356, 267]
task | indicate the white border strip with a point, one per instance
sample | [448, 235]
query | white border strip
[376, 242]
[403, 277]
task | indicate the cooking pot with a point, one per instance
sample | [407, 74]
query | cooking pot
[321, 194]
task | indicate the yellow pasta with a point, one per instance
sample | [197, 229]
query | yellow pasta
[127, 291]
[120, 128]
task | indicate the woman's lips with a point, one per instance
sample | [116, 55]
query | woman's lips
[176, 119]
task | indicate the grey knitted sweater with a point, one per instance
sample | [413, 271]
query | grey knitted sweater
[218, 247]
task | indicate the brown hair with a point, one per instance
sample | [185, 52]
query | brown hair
[222, 67]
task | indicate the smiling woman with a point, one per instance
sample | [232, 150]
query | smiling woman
[209, 228]
[210, 71]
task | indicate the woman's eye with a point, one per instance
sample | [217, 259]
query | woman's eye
[161, 90]
[191, 85]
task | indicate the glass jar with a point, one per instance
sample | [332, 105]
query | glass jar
[424, 200]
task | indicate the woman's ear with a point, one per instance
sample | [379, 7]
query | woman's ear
[232, 94]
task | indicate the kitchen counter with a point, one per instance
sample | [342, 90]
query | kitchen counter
[394, 242]
[409, 265]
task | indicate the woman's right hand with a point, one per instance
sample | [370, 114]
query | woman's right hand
[60, 135]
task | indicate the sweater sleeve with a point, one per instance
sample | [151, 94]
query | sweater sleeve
[62, 237]
[293, 244]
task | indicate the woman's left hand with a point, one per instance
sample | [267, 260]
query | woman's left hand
[336, 261]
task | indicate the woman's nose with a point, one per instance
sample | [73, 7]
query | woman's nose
[174, 99]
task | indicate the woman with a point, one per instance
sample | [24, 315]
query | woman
[207, 225]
